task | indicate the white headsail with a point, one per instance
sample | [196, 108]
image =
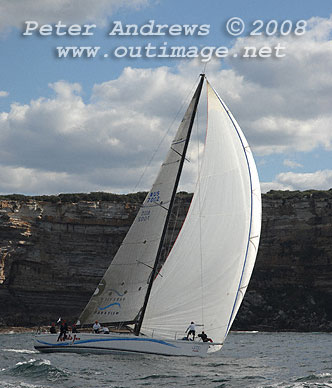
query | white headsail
[208, 269]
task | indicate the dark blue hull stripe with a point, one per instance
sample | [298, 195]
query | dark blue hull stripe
[74, 349]
[161, 342]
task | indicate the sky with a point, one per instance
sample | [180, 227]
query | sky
[104, 122]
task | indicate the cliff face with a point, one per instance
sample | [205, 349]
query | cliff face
[291, 287]
[52, 256]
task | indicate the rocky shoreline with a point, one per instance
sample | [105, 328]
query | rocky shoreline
[54, 250]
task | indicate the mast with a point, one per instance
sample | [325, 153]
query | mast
[169, 211]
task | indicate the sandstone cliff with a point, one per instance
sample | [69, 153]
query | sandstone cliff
[54, 250]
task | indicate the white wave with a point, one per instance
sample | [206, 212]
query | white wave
[322, 375]
[45, 362]
[244, 332]
[303, 384]
[32, 360]
[6, 384]
[26, 362]
[20, 350]
[27, 385]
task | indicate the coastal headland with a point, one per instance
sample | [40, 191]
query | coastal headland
[55, 249]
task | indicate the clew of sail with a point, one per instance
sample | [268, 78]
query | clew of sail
[208, 269]
[121, 293]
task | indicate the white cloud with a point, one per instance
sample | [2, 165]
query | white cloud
[37, 181]
[292, 163]
[103, 144]
[318, 180]
[26, 180]
[64, 144]
[275, 185]
[284, 103]
[3, 93]
[13, 13]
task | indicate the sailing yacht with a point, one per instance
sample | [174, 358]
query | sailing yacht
[208, 269]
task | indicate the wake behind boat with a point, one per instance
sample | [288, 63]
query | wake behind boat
[208, 269]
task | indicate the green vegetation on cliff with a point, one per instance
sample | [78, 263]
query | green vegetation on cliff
[89, 197]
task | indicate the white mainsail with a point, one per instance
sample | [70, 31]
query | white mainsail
[208, 269]
[120, 295]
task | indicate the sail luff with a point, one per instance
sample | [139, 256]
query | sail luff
[183, 156]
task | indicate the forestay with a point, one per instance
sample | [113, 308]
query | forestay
[120, 295]
[208, 270]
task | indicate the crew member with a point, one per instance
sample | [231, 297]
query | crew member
[53, 328]
[96, 327]
[63, 331]
[191, 329]
[204, 337]
[74, 329]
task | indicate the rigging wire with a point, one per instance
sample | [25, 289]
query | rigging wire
[199, 167]
[163, 138]
[199, 204]
[204, 67]
[200, 219]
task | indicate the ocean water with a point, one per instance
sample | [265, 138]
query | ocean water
[247, 360]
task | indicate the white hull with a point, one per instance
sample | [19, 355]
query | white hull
[123, 343]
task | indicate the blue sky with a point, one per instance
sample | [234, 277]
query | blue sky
[89, 124]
